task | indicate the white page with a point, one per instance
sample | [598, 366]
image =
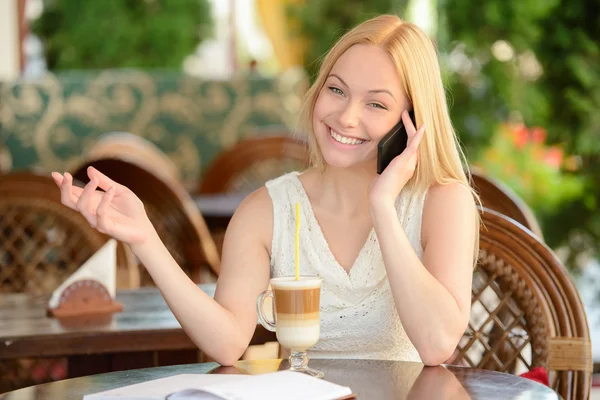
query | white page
[273, 386]
[159, 389]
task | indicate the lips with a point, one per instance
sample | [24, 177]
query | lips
[345, 139]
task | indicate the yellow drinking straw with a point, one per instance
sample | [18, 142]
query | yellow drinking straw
[297, 241]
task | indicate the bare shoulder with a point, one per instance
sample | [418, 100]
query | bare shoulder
[448, 196]
[447, 208]
[254, 216]
[256, 204]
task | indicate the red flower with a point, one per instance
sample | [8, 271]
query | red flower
[554, 157]
[520, 135]
[538, 135]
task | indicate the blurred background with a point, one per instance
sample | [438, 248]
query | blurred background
[196, 77]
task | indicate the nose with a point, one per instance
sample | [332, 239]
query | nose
[349, 116]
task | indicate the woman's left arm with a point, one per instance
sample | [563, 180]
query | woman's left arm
[432, 296]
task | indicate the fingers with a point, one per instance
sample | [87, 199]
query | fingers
[410, 155]
[416, 139]
[58, 179]
[408, 124]
[85, 203]
[88, 201]
[102, 220]
[414, 145]
[66, 191]
[103, 181]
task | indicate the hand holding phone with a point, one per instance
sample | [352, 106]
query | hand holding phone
[392, 144]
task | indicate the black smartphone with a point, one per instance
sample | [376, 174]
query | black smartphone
[392, 144]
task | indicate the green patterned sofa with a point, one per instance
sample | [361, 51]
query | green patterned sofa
[49, 124]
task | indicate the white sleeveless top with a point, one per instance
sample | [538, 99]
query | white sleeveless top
[358, 315]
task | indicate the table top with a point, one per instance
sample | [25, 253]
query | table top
[369, 379]
[145, 324]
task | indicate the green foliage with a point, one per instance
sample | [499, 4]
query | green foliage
[323, 22]
[528, 62]
[520, 157]
[121, 33]
[484, 89]
[553, 81]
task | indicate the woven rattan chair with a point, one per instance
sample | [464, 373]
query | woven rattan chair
[136, 150]
[172, 212]
[250, 163]
[42, 242]
[5, 160]
[496, 196]
[526, 311]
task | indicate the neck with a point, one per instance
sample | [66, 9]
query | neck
[346, 189]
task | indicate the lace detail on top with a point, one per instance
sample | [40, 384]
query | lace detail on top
[358, 314]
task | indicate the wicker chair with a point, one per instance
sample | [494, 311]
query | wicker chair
[249, 164]
[136, 150]
[496, 196]
[172, 212]
[526, 311]
[5, 160]
[42, 242]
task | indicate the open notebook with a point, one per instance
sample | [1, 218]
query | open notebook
[272, 386]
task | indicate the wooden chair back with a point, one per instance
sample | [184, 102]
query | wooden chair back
[526, 311]
[252, 162]
[135, 150]
[496, 196]
[172, 212]
[5, 160]
[42, 242]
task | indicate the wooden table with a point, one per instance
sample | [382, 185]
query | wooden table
[145, 334]
[368, 379]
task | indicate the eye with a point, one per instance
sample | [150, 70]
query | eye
[336, 90]
[378, 105]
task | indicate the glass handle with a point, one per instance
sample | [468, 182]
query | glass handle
[261, 315]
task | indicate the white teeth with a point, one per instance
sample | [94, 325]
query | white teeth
[345, 140]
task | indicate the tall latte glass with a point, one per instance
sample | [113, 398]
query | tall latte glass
[296, 317]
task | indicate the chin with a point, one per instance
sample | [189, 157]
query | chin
[339, 162]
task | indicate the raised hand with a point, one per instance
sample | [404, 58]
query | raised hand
[387, 186]
[117, 211]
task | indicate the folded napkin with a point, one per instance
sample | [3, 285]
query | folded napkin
[100, 267]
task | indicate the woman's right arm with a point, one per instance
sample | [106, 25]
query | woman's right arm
[222, 328]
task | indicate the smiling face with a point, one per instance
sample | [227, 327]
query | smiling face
[359, 103]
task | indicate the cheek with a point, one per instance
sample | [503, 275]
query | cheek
[320, 108]
[377, 129]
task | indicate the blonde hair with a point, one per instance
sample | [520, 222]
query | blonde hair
[440, 158]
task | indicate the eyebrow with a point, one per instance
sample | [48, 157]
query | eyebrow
[370, 91]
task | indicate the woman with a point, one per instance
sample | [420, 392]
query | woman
[395, 250]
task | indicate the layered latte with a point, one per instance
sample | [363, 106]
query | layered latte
[297, 311]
